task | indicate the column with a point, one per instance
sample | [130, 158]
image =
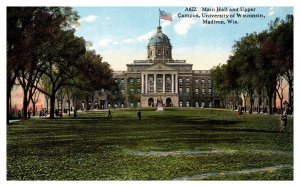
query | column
[172, 83]
[154, 82]
[142, 88]
[146, 83]
[176, 83]
[164, 83]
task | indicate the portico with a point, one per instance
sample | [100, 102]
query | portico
[159, 80]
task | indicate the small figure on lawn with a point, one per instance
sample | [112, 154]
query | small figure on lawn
[19, 114]
[139, 115]
[283, 121]
[240, 110]
[109, 114]
[56, 113]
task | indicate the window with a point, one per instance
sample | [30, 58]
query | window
[131, 81]
[123, 92]
[187, 103]
[167, 53]
[180, 81]
[122, 81]
[159, 52]
[180, 103]
[138, 90]
[187, 90]
[203, 81]
[209, 81]
[131, 90]
[196, 90]
[203, 91]
[187, 81]
[138, 80]
[209, 90]
[180, 89]
[116, 80]
[196, 81]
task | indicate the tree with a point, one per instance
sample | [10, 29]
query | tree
[63, 59]
[246, 52]
[95, 75]
[30, 30]
[282, 38]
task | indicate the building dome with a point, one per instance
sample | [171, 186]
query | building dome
[159, 38]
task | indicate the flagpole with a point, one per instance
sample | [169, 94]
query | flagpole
[159, 17]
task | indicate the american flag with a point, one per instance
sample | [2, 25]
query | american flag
[165, 16]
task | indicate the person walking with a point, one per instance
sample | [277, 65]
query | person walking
[109, 114]
[139, 115]
[283, 121]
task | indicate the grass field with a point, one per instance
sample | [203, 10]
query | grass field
[177, 144]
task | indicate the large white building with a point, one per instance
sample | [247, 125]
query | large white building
[160, 77]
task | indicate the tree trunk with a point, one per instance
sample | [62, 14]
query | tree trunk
[245, 102]
[87, 103]
[259, 103]
[291, 97]
[75, 107]
[69, 106]
[52, 105]
[281, 99]
[274, 102]
[8, 105]
[25, 106]
[251, 104]
[33, 106]
[61, 106]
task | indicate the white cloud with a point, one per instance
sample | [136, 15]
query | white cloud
[128, 41]
[271, 11]
[145, 37]
[104, 42]
[183, 26]
[89, 19]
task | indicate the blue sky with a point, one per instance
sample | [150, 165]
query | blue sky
[120, 34]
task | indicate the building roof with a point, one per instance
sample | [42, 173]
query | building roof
[159, 38]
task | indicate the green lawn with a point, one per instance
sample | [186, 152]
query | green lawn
[195, 144]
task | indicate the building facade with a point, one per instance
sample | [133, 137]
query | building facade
[160, 78]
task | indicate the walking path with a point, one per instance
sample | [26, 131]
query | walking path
[245, 171]
[13, 121]
[196, 152]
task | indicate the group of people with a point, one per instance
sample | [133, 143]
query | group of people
[139, 115]
[44, 112]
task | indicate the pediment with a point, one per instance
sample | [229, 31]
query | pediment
[159, 67]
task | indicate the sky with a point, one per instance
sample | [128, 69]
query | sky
[120, 34]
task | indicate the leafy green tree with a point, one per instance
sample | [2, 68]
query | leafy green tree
[95, 75]
[282, 38]
[30, 30]
[63, 63]
[246, 52]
